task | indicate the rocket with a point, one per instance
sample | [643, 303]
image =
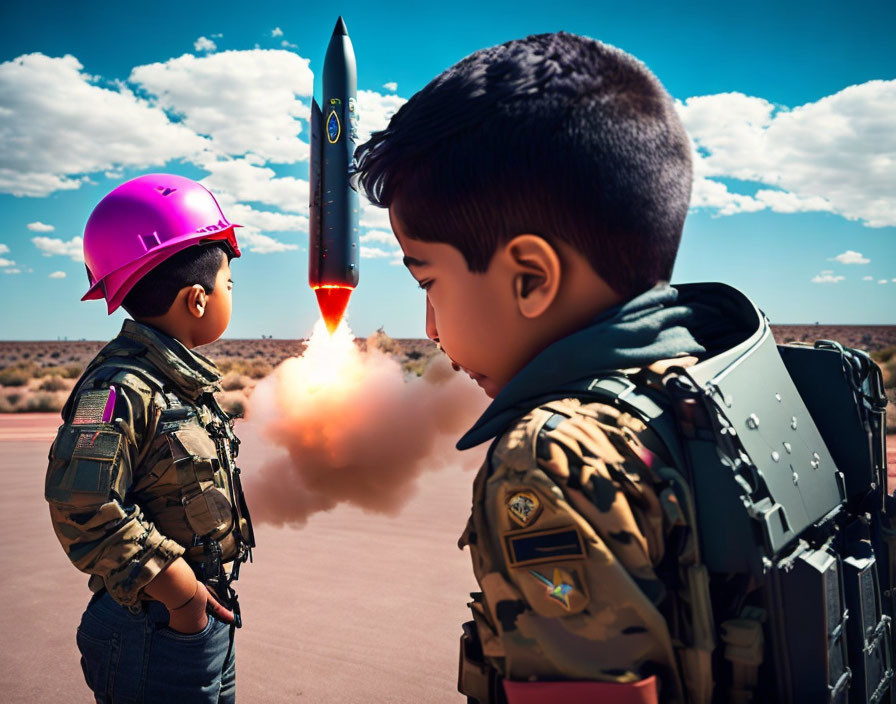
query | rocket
[333, 222]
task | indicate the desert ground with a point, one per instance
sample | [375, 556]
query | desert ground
[351, 607]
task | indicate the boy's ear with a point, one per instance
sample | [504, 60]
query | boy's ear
[196, 300]
[536, 272]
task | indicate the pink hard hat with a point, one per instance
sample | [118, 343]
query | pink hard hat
[142, 223]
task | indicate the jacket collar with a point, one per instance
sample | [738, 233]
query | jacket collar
[661, 323]
[190, 372]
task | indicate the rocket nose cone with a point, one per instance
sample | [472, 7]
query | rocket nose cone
[340, 27]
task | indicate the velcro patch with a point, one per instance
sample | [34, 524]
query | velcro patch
[97, 445]
[545, 546]
[91, 407]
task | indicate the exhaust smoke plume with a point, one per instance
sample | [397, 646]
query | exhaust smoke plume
[354, 428]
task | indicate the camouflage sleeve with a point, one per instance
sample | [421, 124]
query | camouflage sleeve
[89, 475]
[567, 530]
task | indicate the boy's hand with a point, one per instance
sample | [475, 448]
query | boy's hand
[193, 616]
[187, 614]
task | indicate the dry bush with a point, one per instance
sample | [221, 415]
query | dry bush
[234, 402]
[258, 369]
[44, 402]
[381, 341]
[72, 370]
[14, 376]
[234, 381]
[13, 398]
[54, 383]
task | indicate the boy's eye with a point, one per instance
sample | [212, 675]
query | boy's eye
[425, 285]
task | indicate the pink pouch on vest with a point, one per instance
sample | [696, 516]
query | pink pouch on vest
[641, 692]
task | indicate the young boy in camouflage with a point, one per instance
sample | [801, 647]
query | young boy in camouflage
[538, 190]
[144, 494]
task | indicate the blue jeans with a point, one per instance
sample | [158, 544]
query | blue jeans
[132, 658]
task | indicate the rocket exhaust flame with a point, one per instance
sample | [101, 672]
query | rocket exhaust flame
[332, 301]
[351, 427]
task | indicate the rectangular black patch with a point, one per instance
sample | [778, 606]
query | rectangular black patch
[547, 546]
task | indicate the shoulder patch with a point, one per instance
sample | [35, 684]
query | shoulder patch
[523, 507]
[93, 406]
[544, 546]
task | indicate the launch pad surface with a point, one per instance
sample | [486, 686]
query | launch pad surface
[353, 607]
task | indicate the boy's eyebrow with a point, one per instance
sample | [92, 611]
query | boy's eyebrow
[411, 261]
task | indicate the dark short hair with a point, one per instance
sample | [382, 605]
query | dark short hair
[154, 293]
[556, 135]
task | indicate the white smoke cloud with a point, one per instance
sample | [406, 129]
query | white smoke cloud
[353, 428]
[39, 227]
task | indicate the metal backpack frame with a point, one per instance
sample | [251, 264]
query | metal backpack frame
[782, 449]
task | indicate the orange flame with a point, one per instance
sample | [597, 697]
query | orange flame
[332, 301]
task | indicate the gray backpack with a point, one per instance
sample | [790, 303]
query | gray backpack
[782, 449]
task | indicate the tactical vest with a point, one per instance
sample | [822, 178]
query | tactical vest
[779, 455]
[186, 478]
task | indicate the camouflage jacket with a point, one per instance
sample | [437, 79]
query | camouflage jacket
[142, 468]
[567, 531]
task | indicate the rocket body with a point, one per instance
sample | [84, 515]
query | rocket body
[333, 249]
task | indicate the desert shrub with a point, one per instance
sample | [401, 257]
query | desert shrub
[13, 398]
[13, 376]
[55, 354]
[44, 403]
[258, 369]
[5, 406]
[882, 356]
[71, 370]
[381, 341]
[53, 383]
[415, 366]
[234, 402]
[234, 381]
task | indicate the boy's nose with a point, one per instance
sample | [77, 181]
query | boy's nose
[431, 332]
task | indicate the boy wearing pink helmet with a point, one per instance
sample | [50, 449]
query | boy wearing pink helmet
[143, 488]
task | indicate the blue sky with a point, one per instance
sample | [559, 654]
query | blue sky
[790, 110]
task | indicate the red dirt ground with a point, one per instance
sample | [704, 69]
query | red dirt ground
[351, 608]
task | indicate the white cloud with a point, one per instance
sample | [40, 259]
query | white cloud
[288, 45]
[73, 248]
[826, 277]
[893, 280]
[374, 112]
[244, 101]
[241, 180]
[867, 278]
[57, 126]
[882, 281]
[12, 271]
[850, 257]
[374, 217]
[262, 244]
[374, 253]
[391, 86]
[204, 44]
[378, 236]
[39, 227]
[276, 32]
[837, 154]
[58, 275]
[6, 262]
[4, 249]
